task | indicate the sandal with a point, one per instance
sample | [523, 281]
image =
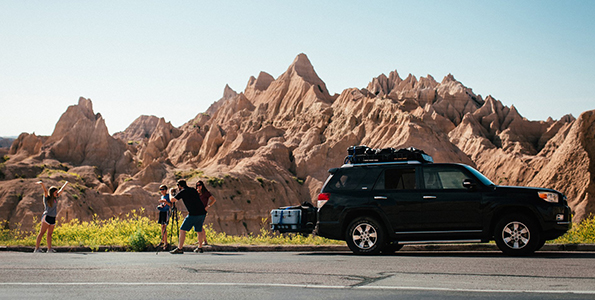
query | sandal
[177, 251]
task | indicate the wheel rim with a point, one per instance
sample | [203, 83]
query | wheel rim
[364, 236]
[516, 235]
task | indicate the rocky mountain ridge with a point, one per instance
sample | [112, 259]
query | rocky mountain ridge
[6, 142]
[272, 144]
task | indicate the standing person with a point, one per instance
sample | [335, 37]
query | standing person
[48, 219]
[207, 200]
[196, 213]
[164, 211]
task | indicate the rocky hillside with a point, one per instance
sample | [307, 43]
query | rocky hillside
[5, 146]
[272, 144]
[6, 142]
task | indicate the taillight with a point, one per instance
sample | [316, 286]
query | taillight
[322, 198]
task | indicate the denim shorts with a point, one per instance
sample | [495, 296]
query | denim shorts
[193, 221]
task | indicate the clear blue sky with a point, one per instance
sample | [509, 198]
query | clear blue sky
[172, 59]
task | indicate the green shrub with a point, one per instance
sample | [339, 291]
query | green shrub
[138, 241]
[47, 172]
[79, 187]
[299, 180]
[188, 174]
[215, 181]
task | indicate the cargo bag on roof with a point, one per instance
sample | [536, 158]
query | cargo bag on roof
[363, 154]
[357, 150]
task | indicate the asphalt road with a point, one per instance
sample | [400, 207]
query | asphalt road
[296, 275]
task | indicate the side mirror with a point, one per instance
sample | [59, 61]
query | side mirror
[469, 184]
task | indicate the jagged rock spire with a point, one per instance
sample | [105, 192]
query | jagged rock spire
[302, 67]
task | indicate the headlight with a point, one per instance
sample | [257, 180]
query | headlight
[548, 196]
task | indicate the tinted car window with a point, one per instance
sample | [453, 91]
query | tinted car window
[479, 176]
[396, 179]
[444, 178]
[347, 180]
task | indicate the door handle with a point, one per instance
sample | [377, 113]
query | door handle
[380, 198]
[429, 197]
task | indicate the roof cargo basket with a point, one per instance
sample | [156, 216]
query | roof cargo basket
[362, 154]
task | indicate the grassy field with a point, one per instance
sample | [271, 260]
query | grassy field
[137, 232]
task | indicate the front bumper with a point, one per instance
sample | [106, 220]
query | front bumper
[560, 224]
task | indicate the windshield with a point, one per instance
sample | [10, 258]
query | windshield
[480, 176]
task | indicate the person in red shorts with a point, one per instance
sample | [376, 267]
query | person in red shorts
[207, 200]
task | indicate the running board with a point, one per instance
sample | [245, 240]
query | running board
[438, 242]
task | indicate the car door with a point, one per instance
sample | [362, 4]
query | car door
[447, 204]
[396, 192]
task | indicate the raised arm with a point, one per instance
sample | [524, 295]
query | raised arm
[45, 190]
[62, 188]
[172, 193]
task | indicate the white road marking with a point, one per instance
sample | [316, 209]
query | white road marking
[308, 286]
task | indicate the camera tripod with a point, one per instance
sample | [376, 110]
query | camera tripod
[173, 222]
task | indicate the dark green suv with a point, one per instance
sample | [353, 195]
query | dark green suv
[381, 206]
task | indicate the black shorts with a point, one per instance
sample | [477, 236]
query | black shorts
[50, 220]
[163, 217]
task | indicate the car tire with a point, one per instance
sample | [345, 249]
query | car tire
[365, 235]
[517, 235]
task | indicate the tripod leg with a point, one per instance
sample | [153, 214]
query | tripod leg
[177, 224]
[174, 224]
[171, 222]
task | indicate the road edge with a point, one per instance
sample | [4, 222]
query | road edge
[311, 248]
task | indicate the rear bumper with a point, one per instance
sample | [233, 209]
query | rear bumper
[329, 230]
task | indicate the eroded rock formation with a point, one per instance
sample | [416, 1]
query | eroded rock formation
[272, 144]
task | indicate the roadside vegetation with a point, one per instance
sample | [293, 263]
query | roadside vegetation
[137, 233]
[583, 233]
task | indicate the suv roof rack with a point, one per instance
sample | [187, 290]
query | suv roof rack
[362, 154]
[402, 162]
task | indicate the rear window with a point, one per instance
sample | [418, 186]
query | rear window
[397, 179]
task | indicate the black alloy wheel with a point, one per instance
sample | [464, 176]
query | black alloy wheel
[517, 235]
[365, 236]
